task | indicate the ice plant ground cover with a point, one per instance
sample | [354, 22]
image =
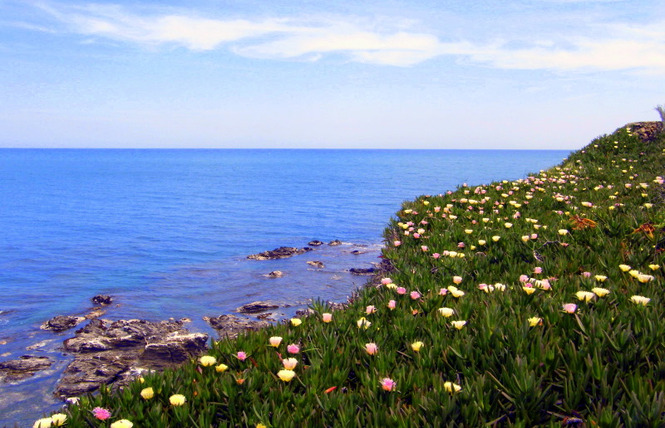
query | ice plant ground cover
[536, 302]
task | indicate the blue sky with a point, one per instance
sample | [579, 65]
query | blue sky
[547, 74]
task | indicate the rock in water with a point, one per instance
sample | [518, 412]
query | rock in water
[315, 243]
[279, 253]
[231, 325]
[102, 299]
[256, 307]
[25, 367]
[61, 323]
[316, 263]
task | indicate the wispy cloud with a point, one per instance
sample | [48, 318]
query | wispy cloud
[360, 40]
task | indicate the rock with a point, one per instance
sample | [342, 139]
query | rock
[102, 299]
[231, 325]
[646, 131]
[95, 313]
[315, 243]
[279, 253]
[316, 264]
[275, 274]
[256, 307]
[108, 352]
[25, 367]
[362, 271]
[357, 252]
[62, 323]
[335, 243]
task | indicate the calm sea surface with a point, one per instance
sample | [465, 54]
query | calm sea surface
[167, 232]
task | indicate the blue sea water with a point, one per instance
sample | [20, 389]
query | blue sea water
[167, 232]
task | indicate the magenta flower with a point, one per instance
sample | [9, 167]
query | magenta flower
[370, 309]
[586, 274]
[386, 281]
[388, 384]
[241, 356]
[569, 308]
[443, 291]
[401, 290]
[293, 349]
[537, 270]
[101, 413]
[436, 255]
[391, 304]
[415, 295]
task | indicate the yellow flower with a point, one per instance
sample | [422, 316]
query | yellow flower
[496, 238]
[534, 321]
[446, 312]
[363, 323]
[177, 400]
[529, 290]
[296, 322]
[644, 278]
[289, 363]
[654, 267]
[221, 368]
[482, 242]
[634, 273]
[42, 423]
[260, 425]
[640, 300]
[275, 341]
[563, 232]
[600, 292]
[600, 278]
[584, 295]
[457, 279]
[451, 387]
[147, 393]
[286, 375]
[58, 419]
[122, 423]
[624, 268]
[458, 324]
[207, 360]
[416, 346]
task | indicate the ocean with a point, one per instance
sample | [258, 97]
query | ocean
[167, 232]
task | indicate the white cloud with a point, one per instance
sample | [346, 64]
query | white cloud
[395, 43]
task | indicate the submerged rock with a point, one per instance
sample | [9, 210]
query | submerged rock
[108, 352]
[61, 323]
[335, 243]
[362, 271]
[275, 274]
[256, 307]
[22, 368]
[231, 325]
[316, 264]
[279, 253]
[102, 299]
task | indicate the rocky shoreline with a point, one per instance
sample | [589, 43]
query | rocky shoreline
[113, 352]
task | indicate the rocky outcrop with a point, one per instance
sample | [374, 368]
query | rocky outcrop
[335, 243]
[256, 307]
[108, 352]
[646, 131]
[61, 323]
[22, 368]
[231, 325]
[279, 253]
[316, 263]
[315, 243]
[102, 299]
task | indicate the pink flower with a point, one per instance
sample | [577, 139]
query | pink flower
[370, 309]
[386, 281]
[436, 255]
[241, 356]
[415, 295]
[101, 413]
[537, 270]
[443, 291]
[391, 304]
[327, 317]
[524, 278]
[570, 308]
[425, 248]
[293, 349]
[461, 245]
[416, 235]
[401, 290]
[388, 384]
[397, 243]
[586, 274]
[371, 348]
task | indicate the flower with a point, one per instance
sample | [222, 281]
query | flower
[443, 291]
[508, 225]
[654, 267]
[451, 387]
[58, 419]
[586, 274]
[147, 393]
[275, 341]
[289, 363]
[600, 278]
[122, 423]
[584, 295]
[458, 324]
[241, 356]
[371, 348]
[528, 289]
[416, 346]
[537, 270]
[221, 368]
[600, 292]
[386, 281]
[534, 321]
[401, 290]
[101, 413]
[286, 375]
[326, 317]
[177, 400]
[370, 309]
[495, 238]
[640, 300]
[388, 384]
[524, 278]
[260, 425]
[482, 242]
[296, 322]
[446, 312]
[569, 308]
[457, 279]
[624, 268]
[563, 232]
[397, 243]
[415, 295]
[391, 304]
[363, 323]
[207, 360]
[644, 278]
[42, 423]
[293, 348]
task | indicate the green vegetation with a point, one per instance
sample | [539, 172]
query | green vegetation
[536, 302]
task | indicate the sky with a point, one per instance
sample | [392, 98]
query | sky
[393, 74]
